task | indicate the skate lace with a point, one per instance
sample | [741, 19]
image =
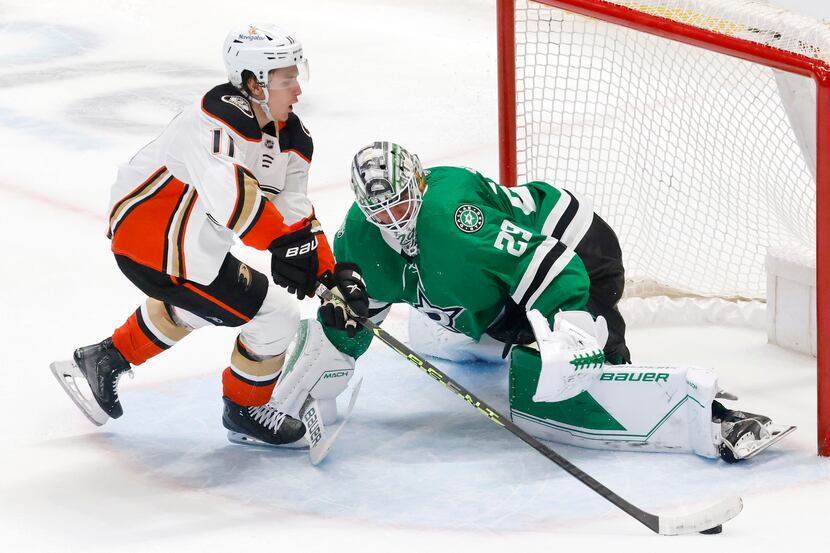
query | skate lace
[267, 416]
[117, 378]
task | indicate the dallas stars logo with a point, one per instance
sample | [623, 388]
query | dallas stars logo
[469, 218]
[444, 316]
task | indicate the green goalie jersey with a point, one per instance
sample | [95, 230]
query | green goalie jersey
[481, 244]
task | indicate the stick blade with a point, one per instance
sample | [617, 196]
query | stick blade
[705, 519]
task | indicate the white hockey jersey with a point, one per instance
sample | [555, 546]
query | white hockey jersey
[212, 173]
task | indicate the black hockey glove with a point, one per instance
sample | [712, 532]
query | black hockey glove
[294, 261]
[347, 285]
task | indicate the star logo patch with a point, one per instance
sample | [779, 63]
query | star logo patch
[444, 316]
[469, 218]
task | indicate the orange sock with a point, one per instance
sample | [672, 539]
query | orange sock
[147, 332]
[250, 381]
[246, 392]
[134, 344]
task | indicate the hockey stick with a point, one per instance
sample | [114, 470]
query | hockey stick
[707, 520]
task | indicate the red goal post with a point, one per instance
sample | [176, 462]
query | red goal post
[652, 17]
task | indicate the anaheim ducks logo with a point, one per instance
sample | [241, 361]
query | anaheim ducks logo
[245, 278]
[239, 103]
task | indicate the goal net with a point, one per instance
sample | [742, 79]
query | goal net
[691, 124]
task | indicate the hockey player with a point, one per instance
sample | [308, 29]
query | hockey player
[530, 265]
[234, 164]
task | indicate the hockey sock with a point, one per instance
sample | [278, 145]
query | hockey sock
[250, 379]
[147, 332]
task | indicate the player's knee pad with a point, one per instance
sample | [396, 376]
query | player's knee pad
[313, 367]
[186, 319]
[273, 327]
[635, 408]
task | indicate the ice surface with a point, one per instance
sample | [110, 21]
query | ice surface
[85, 84]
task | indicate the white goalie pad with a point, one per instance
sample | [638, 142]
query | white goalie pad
[637, 408]
[313, 367]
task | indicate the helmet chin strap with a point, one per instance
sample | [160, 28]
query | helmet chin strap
[263, 104]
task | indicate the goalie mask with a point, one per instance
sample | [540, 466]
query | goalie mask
[261, 49]
[388, 183]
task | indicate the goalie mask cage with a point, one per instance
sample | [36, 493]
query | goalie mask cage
[700, 128]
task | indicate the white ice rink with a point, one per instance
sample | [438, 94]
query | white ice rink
[82, 87]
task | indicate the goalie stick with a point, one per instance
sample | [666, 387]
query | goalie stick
[708, 520]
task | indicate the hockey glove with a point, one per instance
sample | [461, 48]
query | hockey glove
[294, 261]
[571, 353]
[350, 298]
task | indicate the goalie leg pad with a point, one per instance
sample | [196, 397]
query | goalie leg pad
[636, 408]
[313, 367]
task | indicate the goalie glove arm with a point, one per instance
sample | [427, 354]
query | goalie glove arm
[570, 351]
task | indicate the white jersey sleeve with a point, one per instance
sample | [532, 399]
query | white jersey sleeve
[177, 204]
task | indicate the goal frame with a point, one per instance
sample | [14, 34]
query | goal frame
[728, 45]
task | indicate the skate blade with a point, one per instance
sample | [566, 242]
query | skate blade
[777, 433]
[68, 374]
[244, 439]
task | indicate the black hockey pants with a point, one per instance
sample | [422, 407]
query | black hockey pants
[601, 254]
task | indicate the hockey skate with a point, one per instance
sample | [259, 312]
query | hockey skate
[261, 425]
[745, 434]
[91, 380]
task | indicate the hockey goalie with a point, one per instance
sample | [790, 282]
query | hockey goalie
[530, 272]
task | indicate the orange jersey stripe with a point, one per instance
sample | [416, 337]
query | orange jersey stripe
[268, 225]
[142, 188]
[141, 234]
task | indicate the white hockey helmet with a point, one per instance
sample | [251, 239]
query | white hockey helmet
[259, 49]
[388, 183]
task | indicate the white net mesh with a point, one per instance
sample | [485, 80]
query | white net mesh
[699, 161]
